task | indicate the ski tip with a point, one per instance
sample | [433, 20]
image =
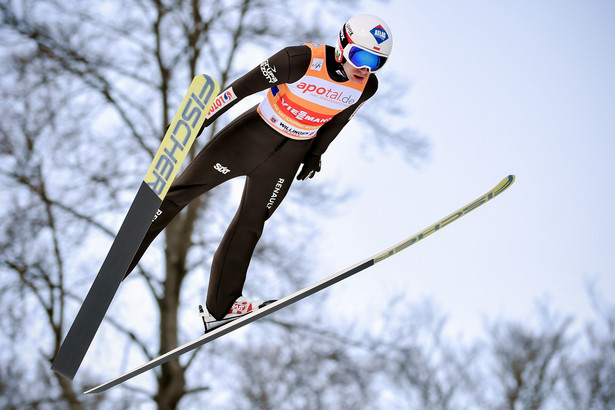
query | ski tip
[502, 186]
[508, 180]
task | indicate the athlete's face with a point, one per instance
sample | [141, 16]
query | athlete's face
[356, 75]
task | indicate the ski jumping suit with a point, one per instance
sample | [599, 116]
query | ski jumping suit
[308, 103]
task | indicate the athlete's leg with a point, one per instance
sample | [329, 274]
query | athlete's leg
[264, 190]
[216, 163]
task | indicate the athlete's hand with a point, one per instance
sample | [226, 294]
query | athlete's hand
[311, 165]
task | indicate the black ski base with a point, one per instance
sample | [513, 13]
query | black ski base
[94, 307]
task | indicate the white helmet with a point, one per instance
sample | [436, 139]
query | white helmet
[364, 41]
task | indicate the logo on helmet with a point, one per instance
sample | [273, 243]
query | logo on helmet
[349, 29]
[338, 54]
[379, 34]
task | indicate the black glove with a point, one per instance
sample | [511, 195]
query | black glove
[311, 165]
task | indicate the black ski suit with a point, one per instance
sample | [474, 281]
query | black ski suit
[249, 146]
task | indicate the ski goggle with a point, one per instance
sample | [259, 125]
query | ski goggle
[362, 58]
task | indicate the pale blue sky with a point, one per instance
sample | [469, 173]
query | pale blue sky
[499, 87]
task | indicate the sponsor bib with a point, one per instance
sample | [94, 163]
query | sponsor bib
[299, 109]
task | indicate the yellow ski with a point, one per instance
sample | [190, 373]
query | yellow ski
[177, 141]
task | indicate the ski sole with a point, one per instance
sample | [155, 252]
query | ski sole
[307, 291]
[164, 167]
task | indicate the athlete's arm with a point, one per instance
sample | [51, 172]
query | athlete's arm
[327, 133]
[286, 66]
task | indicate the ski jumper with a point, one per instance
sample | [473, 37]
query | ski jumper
[308, 103]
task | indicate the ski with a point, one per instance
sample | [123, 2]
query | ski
[307, 291]
[175, 145]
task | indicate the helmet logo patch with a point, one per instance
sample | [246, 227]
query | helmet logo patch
[379, 34]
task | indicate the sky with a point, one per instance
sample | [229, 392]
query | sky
[498, 88]
[519, 87]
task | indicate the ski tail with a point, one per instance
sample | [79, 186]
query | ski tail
[166, 163]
